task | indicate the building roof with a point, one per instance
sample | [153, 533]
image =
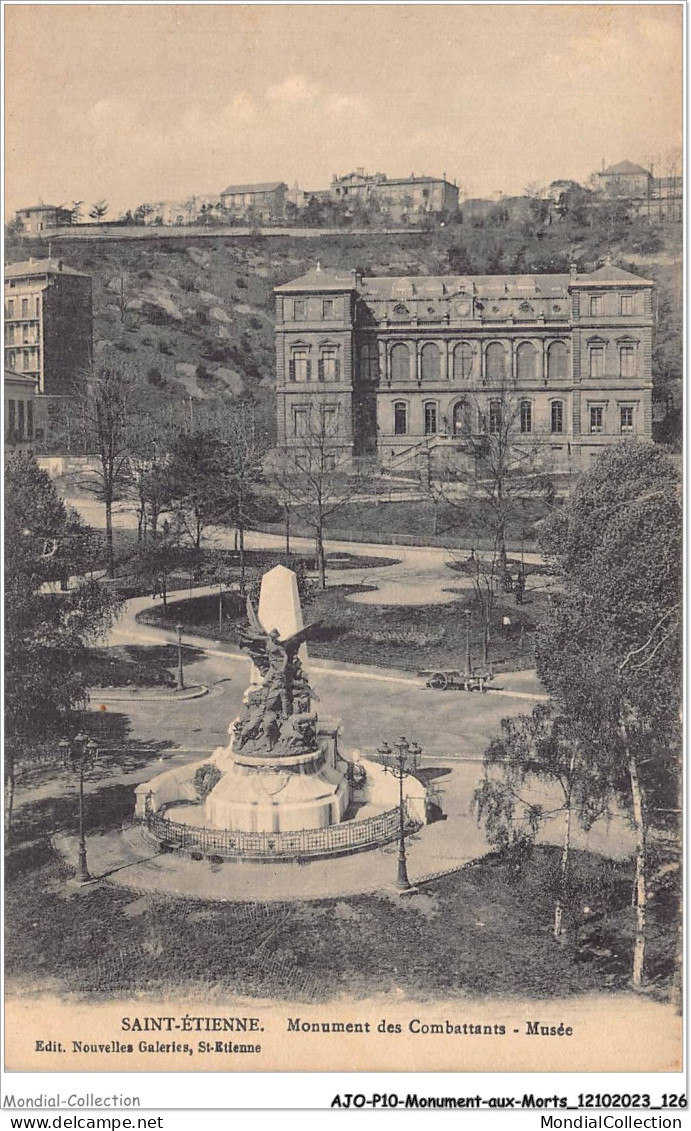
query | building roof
[623, 167]
[40, 267]
[44, 208]
[417, 181]
[268, 186]
[611, 274]
[10, 376]
[318, 279]
[420, 286]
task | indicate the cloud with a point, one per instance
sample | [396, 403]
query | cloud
[295, 90]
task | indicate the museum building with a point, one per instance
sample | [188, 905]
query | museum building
[393, 368]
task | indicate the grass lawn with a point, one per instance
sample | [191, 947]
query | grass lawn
[410, 637]
[485, 930]
[420, 521]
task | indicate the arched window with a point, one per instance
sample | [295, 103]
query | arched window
[462, 418]
[495, 362]
[526, 416]
[462, 361]
[557, 416]
[400, 362]
[369, 361]
[400, 418]
[430, 418]
[430, 362]
[525, 362]
[557, 357]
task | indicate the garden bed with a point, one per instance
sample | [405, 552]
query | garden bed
[410, 637]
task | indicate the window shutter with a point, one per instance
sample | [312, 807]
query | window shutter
[337, 370]
[308, 370]
[291, 373]
[320, 369]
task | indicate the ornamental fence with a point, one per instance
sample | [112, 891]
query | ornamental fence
[385, 538]
[350, 836]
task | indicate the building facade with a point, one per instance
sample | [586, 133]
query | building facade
[22, 428]
[48, 324]
[395, 367]
[263, 201]
[396, 196]
[647, 197]
[43, 217]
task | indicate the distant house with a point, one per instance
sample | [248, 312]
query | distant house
[20, 403]
[626, 180]
[397, 196]
[43, 217]
[263, 201]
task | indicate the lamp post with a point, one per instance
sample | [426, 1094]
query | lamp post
[468, 666]
[181, 678]
[401, 759]
[79, 755]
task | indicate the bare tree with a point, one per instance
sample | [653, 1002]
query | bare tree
[314, 476]
[499, 472]
[104, 420]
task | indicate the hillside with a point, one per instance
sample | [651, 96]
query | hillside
[194, 318]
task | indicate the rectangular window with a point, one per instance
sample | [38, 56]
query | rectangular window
[430, 418]
[25, 308]
[300, 421]
[30, 420]
[596, 305]
[328, 365]
[626, 418]
[400, 419]
[495, 416]
[597, 361]
[526, 416]
[299, 366]
[20, 419]
[11, 418]
[330, 419]
[557, 416]
[596, 418]
[10, 308]
[627, 361]
[300, 309]
[9, 334]
[627, 304]
[327, 308]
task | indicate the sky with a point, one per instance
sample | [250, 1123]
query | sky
[133, 103]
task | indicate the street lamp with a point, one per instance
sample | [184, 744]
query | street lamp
[181, 678]
[468, 665]
[400, 760]
[79, 755]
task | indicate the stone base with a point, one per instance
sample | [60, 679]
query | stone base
[304, 792]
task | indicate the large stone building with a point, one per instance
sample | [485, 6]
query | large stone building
[48, 324]
[646, 196]
[395, 367]
[397, 197]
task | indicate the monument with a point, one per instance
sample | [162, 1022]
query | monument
[281, 771]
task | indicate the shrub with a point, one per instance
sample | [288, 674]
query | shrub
[205, 778]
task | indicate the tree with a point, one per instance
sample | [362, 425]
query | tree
[609, 652]
[500, 476]
[105, 418]
[315, 476]
[540, 745]
[98, 211]
[46, 632]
